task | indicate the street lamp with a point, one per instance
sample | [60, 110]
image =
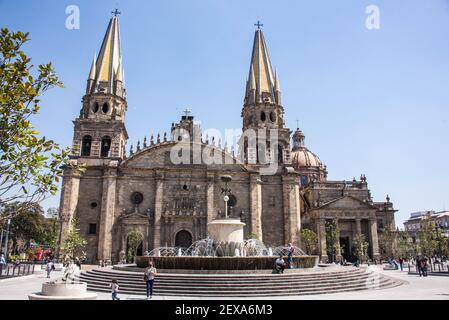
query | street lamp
[226, 191]
[6, 240]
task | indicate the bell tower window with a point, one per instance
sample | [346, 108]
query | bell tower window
[263, 116]
[95, 107]
[105, 147]
[87, 143]
[105, 108]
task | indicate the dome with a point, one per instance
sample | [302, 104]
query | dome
[303, 157]
[305, 161]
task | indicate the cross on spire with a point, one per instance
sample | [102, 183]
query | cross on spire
[116, 12]
[258, 24]
[297, 123]
[187, 111]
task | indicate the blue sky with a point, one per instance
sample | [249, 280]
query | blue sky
[369, 101]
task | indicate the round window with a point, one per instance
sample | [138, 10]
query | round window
[137, 198]
[105, 107]
[93, 205]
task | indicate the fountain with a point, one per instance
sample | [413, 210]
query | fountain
[223, 249]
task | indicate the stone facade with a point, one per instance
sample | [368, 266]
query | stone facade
[170, 204]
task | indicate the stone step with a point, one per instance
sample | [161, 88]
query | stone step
[273, 292]
[242, 285]
[232, 287]
[179, 277]
[240, 282]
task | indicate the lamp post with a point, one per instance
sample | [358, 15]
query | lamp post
[6, 240]
[226, 191]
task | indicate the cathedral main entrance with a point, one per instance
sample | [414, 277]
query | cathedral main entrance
[183, 239]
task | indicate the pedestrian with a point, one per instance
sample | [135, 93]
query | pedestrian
[78, 263]
[424, 267]
[49, 267]
[401, 263]
[2, 260]
[290, 251]
[418, 265]
[149, 275]
[280, 264]
[114, 289]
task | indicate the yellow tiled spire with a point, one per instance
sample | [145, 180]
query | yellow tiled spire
[108, 65]
[261, 76]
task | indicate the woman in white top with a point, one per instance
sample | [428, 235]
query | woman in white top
[150, 274]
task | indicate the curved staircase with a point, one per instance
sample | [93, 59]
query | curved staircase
[241, 285]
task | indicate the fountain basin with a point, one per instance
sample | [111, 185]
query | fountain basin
[63, 291]
[222, 263]
[226, 230]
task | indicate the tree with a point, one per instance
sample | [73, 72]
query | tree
[333, 240]
[404, 247]
[74, 245]
[134, 240]
[431, 237]
[386, 243]
[26, 227]
[309, 239]
[360, 247]
[30, 166]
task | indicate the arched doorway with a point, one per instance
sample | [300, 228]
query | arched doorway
[183, 239]
[134, 245]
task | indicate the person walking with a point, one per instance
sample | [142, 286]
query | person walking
[150, 274]
[290, 251]
[114, 289]
[418, 265]
[424, 267]
[401, 263]
[49, 268]
[78, 263]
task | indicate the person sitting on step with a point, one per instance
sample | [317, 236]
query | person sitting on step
[280, 264]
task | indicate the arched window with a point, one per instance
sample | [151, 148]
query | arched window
[95, 107]
[272, 116]
[87, 144]
[183, 239]
[263, 116]
[105, 146]
[105, 107]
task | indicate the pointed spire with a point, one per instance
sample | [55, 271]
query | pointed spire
[277, 85]
[261, 76]
[108, 67]
[92, 72]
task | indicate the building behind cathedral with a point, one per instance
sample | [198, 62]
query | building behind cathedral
[170, 204]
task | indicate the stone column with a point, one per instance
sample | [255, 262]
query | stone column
[321, 226]
[358, 226]
[292, 211]
[210, 214]
[338, 255]
[107, 211]
[159, 181]
[255, 189]
[69, 202]
[374, 238]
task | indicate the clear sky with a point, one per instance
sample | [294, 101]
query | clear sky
[369, 101]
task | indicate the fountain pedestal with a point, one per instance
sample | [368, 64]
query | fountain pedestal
[226, 230]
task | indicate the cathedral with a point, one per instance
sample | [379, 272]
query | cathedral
[169, 203]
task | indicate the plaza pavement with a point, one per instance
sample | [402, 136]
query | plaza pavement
[416, 288]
